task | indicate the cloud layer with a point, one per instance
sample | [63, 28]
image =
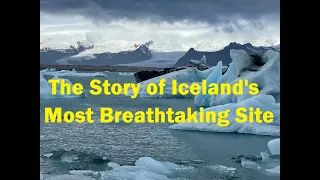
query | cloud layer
[176, 24]
[210, 11]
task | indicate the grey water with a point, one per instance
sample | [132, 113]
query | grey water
[125, 143]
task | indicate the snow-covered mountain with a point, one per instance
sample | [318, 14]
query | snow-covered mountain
[92, 51]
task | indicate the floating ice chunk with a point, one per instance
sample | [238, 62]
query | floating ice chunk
[139, 174]
[69, 177]
[275, 170]
[47, 155]
[153, 165]
[69, 158]
[90, 173]
[46, 89]
[113, 165]
[249, 164]
[170, 165]
[265, 157]
[274, 146]
[82, 172]
[146, 169]
[262, 101]
[72, 73]
[203, 99]
[221, 168]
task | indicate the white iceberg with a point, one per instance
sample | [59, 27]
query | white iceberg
[262, 101]
[266, 76]
[222, 169]
[145, 168]
[89, 173]
[153, 165]
[72, 73]
[243, 67]
[274, 146]
[46, 89]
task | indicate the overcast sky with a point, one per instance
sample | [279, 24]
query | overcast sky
[170, 21]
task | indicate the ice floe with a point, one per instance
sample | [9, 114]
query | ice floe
[72, 73]
[46, 89]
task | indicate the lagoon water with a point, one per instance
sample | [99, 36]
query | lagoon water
[125, 143]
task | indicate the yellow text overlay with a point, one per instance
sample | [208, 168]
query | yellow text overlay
[98, 87]
[155, 115]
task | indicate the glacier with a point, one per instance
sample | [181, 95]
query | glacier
[262, 101]
[72, 73]
[45, 89]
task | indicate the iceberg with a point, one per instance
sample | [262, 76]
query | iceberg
[264, 70]
[274, 146]
[145, 168]
[262, 101]
[45, 89]
[244, 67]
[202, 99]
[189, 76]
[72, 73]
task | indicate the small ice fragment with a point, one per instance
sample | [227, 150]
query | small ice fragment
[275, 170]
[47, 155]
[249, 164]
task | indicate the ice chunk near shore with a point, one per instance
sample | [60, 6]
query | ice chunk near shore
[249, 164]
[46, 89]
[72, 73]
[189, 76]
[145, 168]
[274, 146]
[262, 101]
[69, 177]
[202, 99]
[153, 165]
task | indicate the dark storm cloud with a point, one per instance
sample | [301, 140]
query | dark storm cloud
[164, 10]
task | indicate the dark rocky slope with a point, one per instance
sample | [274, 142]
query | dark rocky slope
[223, 55]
